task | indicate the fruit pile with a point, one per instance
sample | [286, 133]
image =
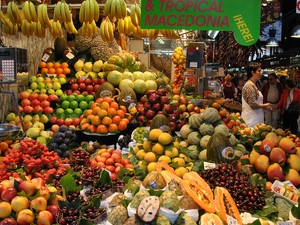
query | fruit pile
[86, 69]
[84, 85]
[46, 85]
[105, 116]
[179, 59]
[139, 134]
[32, 159]
[270, 156]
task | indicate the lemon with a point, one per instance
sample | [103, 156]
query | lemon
[151, 167]
[180, 161]
[150, 157]
[174, 152]
[158, 149]
[147, 145]
[154, 134]
[140, 154]
[164, 158]
[180, 171]
[165, 138]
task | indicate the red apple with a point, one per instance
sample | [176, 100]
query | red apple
[85, 93]
[161, 92]
[150, 92]
[54, 210]
[77, 92]
[190, 107]
[183, 100]
[88, 81]
[60, 122]
[96, 87]
[8, 194]
[8, 221]
[150, 114]
[43, 97]
[101, 81]
[80, 80]
[82, 87]
[68, 121]
[25, 102]
[156, 107]
[154, 98]
[45, 103]
[27, 109]
[74, 86]
[72, 81]
[37, 109]
[172, 117]
[69, 92]
[147, 105]
[95, 81]
[28, 187]
[173, 125]
[167, 108]
[76, 122]
[143, 99]
[33, 96]
[89, 88]
[48, 109]
[266, 146]
[53, 98]
[141, 120]
[53, 120]
[164, 100]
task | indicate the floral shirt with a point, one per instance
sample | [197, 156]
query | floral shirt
[250, 94]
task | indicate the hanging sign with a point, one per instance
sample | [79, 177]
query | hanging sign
[242, 17]
[298, 6]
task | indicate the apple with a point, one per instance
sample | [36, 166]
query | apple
[147, 105]
[183, 100]
[150, 114]
[74, 86]
[60, 122]
[96, 87]
[54, 210]
[53, 98]
[143, 99]
[33, 96]
[5, 210]
[164, 100]
[154, 98]
[68, 121]
[176, 113]
[88, 81]
[45, 104]
[24, 95]
[69, 92]
[172, 117]
[28, 187]
[101, 81]
[173, 125]
[37, 109]
[180, 124]
[25, 217]
[48, 109]
[53, 120]
[141, 120]
[167, 108]
[156, 107]
[76, 122]
[89, 88]
[150, 92]
[25, 102]
[82, 87]
[38, 204]
[45, 218]
[77, 92]
[114, 176]
[72, 81]
[95, 81]
[43, 97]
[190, 107]
[182, 108]
[161, 92]
[8, 221]
[85, 93]
[266, 146]
[19, 203]
[8, 194]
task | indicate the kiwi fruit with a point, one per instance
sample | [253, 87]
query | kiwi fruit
[96, 145]
[90, 149]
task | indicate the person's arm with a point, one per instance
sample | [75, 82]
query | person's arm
[250, 95]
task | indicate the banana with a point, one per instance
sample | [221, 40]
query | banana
[94, 28]
[72, 27]
[33, 28]
[133, 15]
[96, 10]
[10, 14]
[3, 18]
[23, 27]
[89, 30]
[123, 8]
[40, 15]
[107, 7]
[118, 10]
[121, 26]
[57, 12]
[87, 11]
[138, 13]
[113, 10]
[128, 25]
[110, 30]
[106, 32]
[38, 29]
[16, 13]
[102, 30]
[84, 29]
[91, 11]
[82, 12]
[67, 13]
[33, 13]
[63, 12]
[45, 16]
[66, 25]
[26, 11]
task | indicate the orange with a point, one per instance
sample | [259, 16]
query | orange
[216, 105]
[83, 120]
[99, 100]
[91, 128]
[113, 128]
[122, 125]
[128, 116]
[88, 112]
[116, 119]
[42, 64]
[90, 117]
[102, 129]
[106, 120]
[66, 71]
[94, 105]
[95, 111]
[223, 112]
[84, 126]
[56, 65]
[111, 112]
[64, 65]
[108, 99]
[61, 75]
[114, 105]
[44, 70]
[49, 65]
[51, 71]
[104, 105]
[121, 113]
[126, 120]
[3, 146]
[123, 108]
[96, 120]
[59, 70]
[101, 113]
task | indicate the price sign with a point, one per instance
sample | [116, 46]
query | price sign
[231, 220]
[298, 6]
[284, 223]
[208, 166]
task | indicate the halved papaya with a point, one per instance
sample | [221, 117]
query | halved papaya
[200, 181]
[210, 218]
[163, 165]
[170, 176]
[199, 195]
[225, 205]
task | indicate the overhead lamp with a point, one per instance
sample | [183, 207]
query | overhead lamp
[272, 41]
[296, 32]
[212, 33]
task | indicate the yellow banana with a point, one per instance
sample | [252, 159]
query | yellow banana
[72, 27]
[87, 11]
[53, 31]
[33, 28]
[66, 25]
[96, 10]
[59, 29]
[57, 12]
[102, 31]
[33, 13]
[67, 13]
[106, 31]
[82, 12]
[133, 15]
[89, 30]
[38, 28]
[40, 15]
[107, 7]
[3, 18]
[138, 13]
[26, 11]
[84, 29]
[91, 11]
[10, 14]
[45, 16]
[63, 12]
[112, 10]
[110, 30]
[16, 12]
[121, 26]
[23, 27]
[94, 28]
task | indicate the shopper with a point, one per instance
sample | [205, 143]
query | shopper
[239, 90]
[290, 94]
[228, 88]
[252, 99]
[271, 92]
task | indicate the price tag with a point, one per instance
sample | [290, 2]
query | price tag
[45, 57]
[193, 64]
[208, 166]
[231, 220]
[70, 55]
[284, 223]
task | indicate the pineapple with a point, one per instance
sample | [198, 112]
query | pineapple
[118, 215]
[138, 198]
[169, 200]
[117, 199]
[133, 221]
[174, 186]
[162, 220]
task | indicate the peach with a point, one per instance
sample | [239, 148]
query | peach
[272, 136]
[52, 189]
[38, 204]
[266, 146]
[28, 187]
[55, 200]
[262, 164]
[19, 203]
[275, 172]
[54, 210]
[39, 182]
[8, 221]
[277, 155]
[5, 210]
[293, 176]
[287, 145]
[44, 218]
[116, 157]
[294, 162]
[44, 192]
[298, 151]
[8, 194]
[25, 217]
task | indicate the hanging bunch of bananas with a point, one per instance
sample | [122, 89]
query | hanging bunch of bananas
[26, 28]
[56, 30]
[135, 14]
[62, 12]
[138, 32]
[178, 57]
[89, 29]
[4, 19]
[13, 13]
[29, 11]
[89, 11]
[172, 34]
[107, 30]
[115, 9]
[125, 25]
[70, 28]
[153, 34]
[9, 27]
[43, 17]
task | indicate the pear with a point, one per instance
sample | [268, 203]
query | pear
[294, 161]
[293, 176]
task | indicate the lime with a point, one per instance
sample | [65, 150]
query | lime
[83, 105]
[69, 111]
[80, 98]
[73, 104]
[78, 112]
[71, 97]
[63, 97]
[59, 111]
[65, 104]
[89, 98]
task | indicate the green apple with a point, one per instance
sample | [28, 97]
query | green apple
[62, 80]
[33, 79]
[40, 80]
[59, 92]
[41, 85]
[43, 91]
[56, 85]
[59, 111]
[29, 91]
[34, 85]
[51, 91]
[49, 86]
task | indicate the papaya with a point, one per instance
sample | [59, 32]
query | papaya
[225, 205]
[210, 218]
[168, 176]
[192, 175]
[197, 193]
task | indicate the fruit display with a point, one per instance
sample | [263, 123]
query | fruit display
[139, 134]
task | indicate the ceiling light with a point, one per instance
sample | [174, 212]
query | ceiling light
[212, 33]
[272, 42]
[296, 32]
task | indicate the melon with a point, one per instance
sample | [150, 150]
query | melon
[149, 76]
[114, 77]
[151, 85]
[126, 83]
[127, 75]
[138, 75]
[140, 86]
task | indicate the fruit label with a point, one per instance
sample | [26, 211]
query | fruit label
[231, 220]
[105, 93]
[228, 153]
[70, 55]
[208, 166]
[45, 57]
[267, 148]
[153, 185]
[284, 223]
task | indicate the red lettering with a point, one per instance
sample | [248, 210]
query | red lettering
[169, 5]
[161, 20]
[150, 22]
[179, 8]
[181, 20]
[169, 20]
[191, 18]
[190, 4]
[225, 22]
[198, 22]
[162, 2]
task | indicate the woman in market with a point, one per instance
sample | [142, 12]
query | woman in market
[228, 88]
[290, 94]
[252, 99]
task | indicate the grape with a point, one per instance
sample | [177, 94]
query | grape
[139, 134]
